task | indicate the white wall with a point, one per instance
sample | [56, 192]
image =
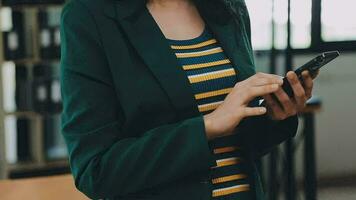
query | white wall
[336, 123]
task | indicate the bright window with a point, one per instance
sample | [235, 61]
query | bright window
[261, 23]
[301, 16]
[338, 19]
[260, 17]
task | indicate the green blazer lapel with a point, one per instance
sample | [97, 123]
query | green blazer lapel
[232, 38]
[151, 45]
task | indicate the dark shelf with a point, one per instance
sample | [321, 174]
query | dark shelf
[27, 114]
[32, 169]
[29, 61]
[22, 3]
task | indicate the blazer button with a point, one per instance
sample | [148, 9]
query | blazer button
[204, 182]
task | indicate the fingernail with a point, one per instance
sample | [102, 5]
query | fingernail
[275, 86]
[263, 110]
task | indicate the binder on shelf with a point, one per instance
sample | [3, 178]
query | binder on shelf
[55, 90]
[14, 40]
[56, 42]
[55, 97]
[40, 88]
[54, 143]
[45, 36]
[17, 139]
[16, 87]
[8, 73]
[10, 129]
[23, 94]
[49, 36]
[46, 89]
[23, 139]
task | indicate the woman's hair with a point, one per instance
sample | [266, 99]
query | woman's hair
[221, 9]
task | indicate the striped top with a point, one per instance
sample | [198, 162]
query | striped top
[212, 77]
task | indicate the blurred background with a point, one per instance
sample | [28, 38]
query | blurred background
[318, 164]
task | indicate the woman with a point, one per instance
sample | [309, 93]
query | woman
[161, 100]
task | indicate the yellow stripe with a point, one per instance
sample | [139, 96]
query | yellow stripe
[194, 46]
[225, 149]
[213, 93]
[211, 76]
[228, 178]
[208, 64]
[227, 162]
[203, 108]
[198, 54]
[231, 191]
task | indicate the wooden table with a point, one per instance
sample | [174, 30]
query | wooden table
[47, 188]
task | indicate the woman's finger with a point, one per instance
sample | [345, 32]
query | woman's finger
[264, 79]
[315, 74]
[273, 107]
[308, 83]
[253, 92]
[288, 106]
[254, 111]
[298, 90]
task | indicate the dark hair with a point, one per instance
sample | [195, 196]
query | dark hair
[221, 10]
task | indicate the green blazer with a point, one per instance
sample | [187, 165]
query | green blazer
[130, 119]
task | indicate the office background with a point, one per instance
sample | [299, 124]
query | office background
[30, 102]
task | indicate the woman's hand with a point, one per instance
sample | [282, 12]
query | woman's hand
[285, 106]
[223, 120]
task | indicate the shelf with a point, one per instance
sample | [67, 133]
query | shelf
[31, 169]
[30, 61]
[30, 166]
[34, 55]
[34, 6]
[27, 114]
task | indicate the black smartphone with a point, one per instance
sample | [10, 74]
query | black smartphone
[312, 66]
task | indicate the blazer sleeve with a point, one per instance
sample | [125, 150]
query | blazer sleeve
[261, 134]
[104, 159]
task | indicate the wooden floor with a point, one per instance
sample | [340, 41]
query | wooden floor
[62, 187]
[48, 188]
